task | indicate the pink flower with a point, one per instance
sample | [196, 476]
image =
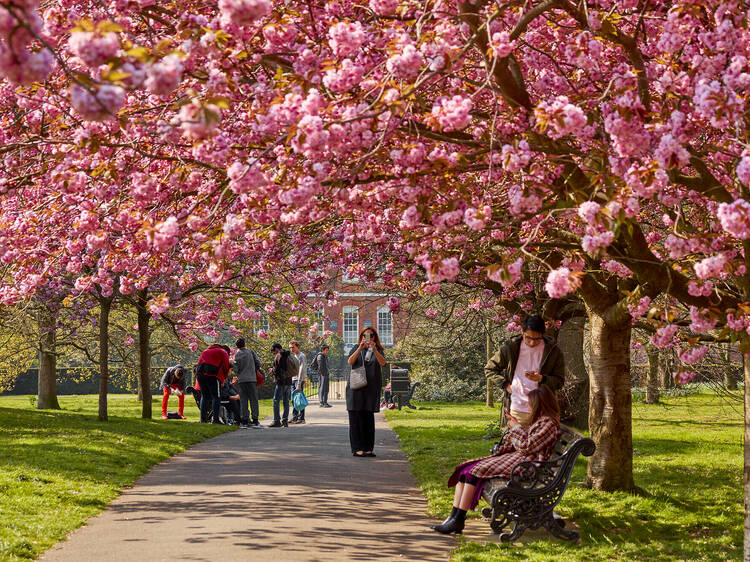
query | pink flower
[743, 168]
[664, 336]
[93, 48]
[559, 117]
[129, 341]
[384, 7]
[452, 113]
[670, 153]
[561, 282]
[199, 121]
[262, 334]
[593, 243]
[405, 64]
[700, 289]
[165, 234]
[394, 304]
[243, 12]
[244, 178]
[431, 313]
[159, 305]
[507, 276]
[701, 321]
[735, 218]
[712, 266]
[234, 226]
[270, 307]
[684, 377]
[103, 104]
[164, 76]
[343, 78]
[346, 38]
[410, 218]
[588, 211]
[641, 308]
[501, 44]
[476, 219]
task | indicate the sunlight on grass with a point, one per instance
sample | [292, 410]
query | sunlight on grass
[60, 467]
[687, 460]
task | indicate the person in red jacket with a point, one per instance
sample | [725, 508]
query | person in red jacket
[212, 370]
[173, 382]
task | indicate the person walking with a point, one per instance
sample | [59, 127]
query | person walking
[523, 364]
[246, 365]
[173, 382]
[320, 364]
[285, 367]
[364, 402]
[298, 416]
[211, 372]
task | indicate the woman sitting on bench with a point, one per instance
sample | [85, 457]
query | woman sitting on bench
[532, 444]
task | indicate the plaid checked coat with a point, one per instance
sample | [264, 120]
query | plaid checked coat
[532, 444]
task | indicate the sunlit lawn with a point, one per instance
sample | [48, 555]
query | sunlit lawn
[59, 467]
[688, 461]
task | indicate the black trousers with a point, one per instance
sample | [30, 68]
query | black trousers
[210, 396]
[361, 430]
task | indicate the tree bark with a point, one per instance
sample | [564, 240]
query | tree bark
[652, 380]
[144, 353]
[574, 395]
[489, 352]
[105, 306]
[46, 398]
[730, 381]
[665, 369]
[610, 414]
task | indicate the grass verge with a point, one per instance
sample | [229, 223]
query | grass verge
[687, 460]
[61, 466]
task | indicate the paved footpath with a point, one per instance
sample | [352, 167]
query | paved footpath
[272, 494]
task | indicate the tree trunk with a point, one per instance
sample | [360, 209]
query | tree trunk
[652, 381]
[489, 351]
[105, 306]
[730, 381]
[46, 398]
[574, 395]
[746, 369]
[610, 423]
[144, 353]
[665, 369]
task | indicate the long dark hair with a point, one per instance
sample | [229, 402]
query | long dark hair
[376, 337]
[543, 404]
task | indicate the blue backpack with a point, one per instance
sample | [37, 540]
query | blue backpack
[299, 400]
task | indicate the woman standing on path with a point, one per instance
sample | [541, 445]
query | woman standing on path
[364, 402]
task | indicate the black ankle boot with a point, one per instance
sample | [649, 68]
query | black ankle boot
[455, 525]
[447, 519]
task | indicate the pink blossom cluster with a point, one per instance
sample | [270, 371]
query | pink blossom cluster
[93, 48]
[559, 117]
[443, 270]
[343, 78]
[712, 266]
[684, 377]
[616, 268]
[244, 178]
[589, 211]
[718, 104]
[670, 153]
[158, 305]
[243, 12]
[165, 235]
[199, 121]
[405, 64]
[431, 313]
[645, 182]
[692, 355]
[700, 289]
[384, 7]
[521, 203]
[735, 218]
[516, 158]
[20, 63]
[346, 38]
[98, 104]
[164, 76]
[501, 44]
[664, 336]
[476, 219]
[561, 282]
[743, 168]
[452, 113]
[508, 275]
[593, 243]
[641, 308]
[701, 321]
[394, 304]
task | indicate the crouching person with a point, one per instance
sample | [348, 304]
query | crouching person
[534, 443]
[173, 382]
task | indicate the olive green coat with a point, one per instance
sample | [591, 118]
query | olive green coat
[501, 368]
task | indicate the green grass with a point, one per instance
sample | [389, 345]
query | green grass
[59, 467]
[687, 461]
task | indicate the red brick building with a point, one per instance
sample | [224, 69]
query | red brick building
[360, 306]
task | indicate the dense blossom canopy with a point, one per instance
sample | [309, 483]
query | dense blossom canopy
[208, 140]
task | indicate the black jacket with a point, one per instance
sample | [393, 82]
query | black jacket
[367, 398]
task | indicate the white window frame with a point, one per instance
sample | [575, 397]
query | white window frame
[386, 335]
[262, 323]
[349, 280]
[350, 337]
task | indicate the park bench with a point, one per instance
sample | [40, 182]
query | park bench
[401, 388]
[528, 499]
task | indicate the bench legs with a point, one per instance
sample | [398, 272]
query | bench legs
[553, 523]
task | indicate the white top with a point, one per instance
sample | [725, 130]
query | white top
[302, 367]
[529, 359]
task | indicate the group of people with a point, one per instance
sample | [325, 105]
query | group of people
[529, 369]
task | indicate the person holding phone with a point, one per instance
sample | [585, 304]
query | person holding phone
[364, 402]
[523, 364]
